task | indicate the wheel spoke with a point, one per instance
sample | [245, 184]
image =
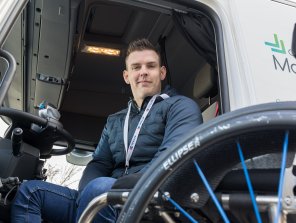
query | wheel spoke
[213, 196]
[174, 203]
[283, 166]
[251, 191]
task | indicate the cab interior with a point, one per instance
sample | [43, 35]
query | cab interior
[50, 41]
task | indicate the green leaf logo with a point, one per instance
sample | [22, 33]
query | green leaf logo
[277, 46]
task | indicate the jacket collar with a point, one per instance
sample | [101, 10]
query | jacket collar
[167, 90]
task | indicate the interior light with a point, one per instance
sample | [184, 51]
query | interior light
[101, 50]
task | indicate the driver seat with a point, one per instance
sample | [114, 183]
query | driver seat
[205, 91]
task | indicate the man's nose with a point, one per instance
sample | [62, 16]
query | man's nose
[143, 71]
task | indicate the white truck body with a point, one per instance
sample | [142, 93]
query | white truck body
[258, 38]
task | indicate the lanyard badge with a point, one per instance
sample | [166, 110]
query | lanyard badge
[130, 149]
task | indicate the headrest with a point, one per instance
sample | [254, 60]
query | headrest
[205, 83]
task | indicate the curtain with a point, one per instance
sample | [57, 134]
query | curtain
[198, 30]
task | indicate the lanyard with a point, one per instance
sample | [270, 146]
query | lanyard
[129, 150]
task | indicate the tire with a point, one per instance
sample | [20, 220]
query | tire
[260, 130]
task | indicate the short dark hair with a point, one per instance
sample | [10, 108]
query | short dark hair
[142, 44]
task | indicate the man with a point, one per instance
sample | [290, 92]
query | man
[130, 141]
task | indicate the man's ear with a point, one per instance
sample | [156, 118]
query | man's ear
[125, 76]
[162, 72]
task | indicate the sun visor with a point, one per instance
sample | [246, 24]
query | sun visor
[54, 39]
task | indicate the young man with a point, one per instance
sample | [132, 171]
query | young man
[130, 141]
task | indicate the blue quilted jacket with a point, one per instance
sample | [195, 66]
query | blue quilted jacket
[164, 125]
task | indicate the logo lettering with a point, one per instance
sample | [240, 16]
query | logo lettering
[286, 63]
[284, 66]
[280, 63]
[195, 143]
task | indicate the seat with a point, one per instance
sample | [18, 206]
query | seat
[206, 93]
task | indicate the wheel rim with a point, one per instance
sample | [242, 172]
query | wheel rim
[243, 125]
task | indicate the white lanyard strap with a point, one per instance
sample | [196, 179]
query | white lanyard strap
[129, 150]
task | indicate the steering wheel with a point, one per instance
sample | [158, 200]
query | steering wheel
[39, 132]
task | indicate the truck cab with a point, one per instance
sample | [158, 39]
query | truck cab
[70, 55]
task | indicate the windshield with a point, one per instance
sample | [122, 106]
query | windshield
[9, 11]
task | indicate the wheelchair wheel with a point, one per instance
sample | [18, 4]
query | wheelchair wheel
[235, 168]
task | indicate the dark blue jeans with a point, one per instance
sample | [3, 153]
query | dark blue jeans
[36, 200]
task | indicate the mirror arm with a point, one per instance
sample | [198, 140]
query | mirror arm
[294, 42]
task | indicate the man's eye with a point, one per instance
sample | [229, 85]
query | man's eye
[136, 67]
[151, 65]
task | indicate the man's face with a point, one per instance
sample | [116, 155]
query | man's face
[144, 74]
